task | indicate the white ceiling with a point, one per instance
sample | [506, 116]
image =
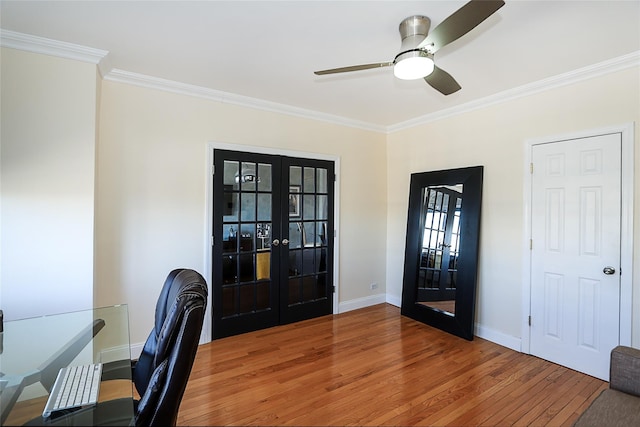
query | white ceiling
[268, 50]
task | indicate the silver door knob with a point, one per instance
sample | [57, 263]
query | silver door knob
[285, 242]
[609, 270]
[275, 242]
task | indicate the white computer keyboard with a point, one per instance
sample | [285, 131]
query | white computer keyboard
[75, 386]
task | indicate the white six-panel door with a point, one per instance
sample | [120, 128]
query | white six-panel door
[575, 252]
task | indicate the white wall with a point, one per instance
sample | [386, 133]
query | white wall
[495, 137]
[151, 200]
[47, 184]
[150, 176]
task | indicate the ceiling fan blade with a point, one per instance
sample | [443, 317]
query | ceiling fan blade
[460, 23]
[353, 68]
[442, 81]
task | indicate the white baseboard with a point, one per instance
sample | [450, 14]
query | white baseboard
[357, 303]
[499, 338]
[394, 300]
[136, 350]
[114, 353]
[121, 352]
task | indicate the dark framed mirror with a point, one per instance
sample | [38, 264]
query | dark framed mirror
[441, 252]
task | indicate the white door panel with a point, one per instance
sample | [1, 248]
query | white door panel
[575, 230]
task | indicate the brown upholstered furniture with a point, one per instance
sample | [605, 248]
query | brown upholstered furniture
[619, 405]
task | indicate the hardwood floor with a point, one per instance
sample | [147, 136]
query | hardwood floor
[375, 367]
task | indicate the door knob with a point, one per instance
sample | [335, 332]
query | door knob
[609, 270]
[285, 242]
[275, 242]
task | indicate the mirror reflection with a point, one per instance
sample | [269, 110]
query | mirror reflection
[437, 276]
[441, 253]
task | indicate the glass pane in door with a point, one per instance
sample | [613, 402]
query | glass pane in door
[246, 238]
[308, 213]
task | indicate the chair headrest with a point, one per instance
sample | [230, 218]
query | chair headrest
[184, 291]
[186, 280]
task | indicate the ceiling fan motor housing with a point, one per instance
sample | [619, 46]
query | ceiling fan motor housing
[413, 62]
[413, 30]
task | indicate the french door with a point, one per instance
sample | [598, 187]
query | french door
[440, 244]
[272, 240]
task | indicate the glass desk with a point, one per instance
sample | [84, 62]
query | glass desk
[33, 350]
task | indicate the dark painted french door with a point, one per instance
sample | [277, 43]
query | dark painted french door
[272, 240]
[440, 244]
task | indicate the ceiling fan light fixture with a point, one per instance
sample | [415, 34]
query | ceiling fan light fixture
[413, 64]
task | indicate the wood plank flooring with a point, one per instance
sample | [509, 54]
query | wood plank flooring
[375, 367]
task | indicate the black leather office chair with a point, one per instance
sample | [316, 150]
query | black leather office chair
[160, 374]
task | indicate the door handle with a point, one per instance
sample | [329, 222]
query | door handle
[275, 242]
[285, 242]
[609, 270]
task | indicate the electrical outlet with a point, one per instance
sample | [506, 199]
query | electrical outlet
[373, 286]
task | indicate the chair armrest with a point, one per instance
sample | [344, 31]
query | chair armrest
[624, 374]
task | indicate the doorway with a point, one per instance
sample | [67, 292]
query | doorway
[272, 246]
[577, 302]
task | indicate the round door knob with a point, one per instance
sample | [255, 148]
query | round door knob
[609, 270]
[285, 242]
[275, 242]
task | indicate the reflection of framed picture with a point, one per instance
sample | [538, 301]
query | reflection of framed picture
[263, 233]
[294, 201]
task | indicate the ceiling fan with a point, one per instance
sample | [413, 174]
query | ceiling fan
[415, 59]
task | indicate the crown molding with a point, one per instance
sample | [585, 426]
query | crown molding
[42, 45]
[150, 82]
[575, 76]
[30, 43]
[15, 40]
[581, 74]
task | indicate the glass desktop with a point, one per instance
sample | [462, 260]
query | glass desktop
[33, 350]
